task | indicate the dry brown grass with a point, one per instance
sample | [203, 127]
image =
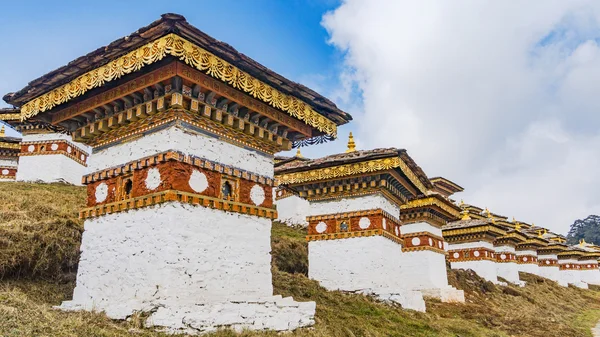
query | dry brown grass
[39, 215]
[39, 229]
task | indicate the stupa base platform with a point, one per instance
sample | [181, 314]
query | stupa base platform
[271, 313]
[408, 299]
[446, 295]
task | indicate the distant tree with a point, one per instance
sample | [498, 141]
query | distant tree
[587, 229]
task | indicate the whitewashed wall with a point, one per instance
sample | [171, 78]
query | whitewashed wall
[50, 169]
[293, 211]
[177, 139]
[362, 203]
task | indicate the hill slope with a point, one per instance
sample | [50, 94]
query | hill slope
[40, 222]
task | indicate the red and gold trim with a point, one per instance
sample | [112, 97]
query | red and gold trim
[178, 196]
[547, 262]
[506, 257]
[527, 259]
[471, 254]
[569, 266]
[52, 147]
[198, 162]
[8, 172]
[353, 224]
[420, 241]
[588, 266]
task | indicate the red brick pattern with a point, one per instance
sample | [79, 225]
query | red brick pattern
[471, 254]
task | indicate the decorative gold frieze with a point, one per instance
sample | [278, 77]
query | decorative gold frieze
[430, 201]
[191, 54]
[351, 169]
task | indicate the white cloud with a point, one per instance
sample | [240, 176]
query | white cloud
[500, 97]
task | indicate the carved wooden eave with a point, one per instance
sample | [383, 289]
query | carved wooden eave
[471, 230]
[434, 209]
[532, 242]
[445, 186]
[511, 238]
[172, 64]
[388, 171]
[571, 253]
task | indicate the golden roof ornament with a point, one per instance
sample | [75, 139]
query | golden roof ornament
[518, 226]
[465, 215]
[582, 242]
[2, 134]
[351, 144]
[488, 213]
[298, 154]
[462, 203]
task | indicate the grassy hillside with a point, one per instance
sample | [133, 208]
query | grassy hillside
[39, 235]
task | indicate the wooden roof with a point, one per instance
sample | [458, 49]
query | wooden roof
[174, 23]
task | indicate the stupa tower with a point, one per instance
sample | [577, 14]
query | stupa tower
[183, 129]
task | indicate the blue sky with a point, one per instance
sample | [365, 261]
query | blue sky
[285, 36]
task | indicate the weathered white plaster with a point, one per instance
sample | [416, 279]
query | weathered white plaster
[257, 195]
[531, 268]
[547, 271]
[50, 169]
[420, 227]
[469, 245]
[362, 203]
[426, 271]
[153, 179]
[589, 276]
[198, 181]
[10, 162]
[194, 264]
[370, 264]
[101, 192]
[571, 275]
[486, 269]
[42, 137]
[192, 143]
[507, 270]
[293, 211]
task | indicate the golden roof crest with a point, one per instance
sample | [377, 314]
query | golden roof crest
[465, 215]
[298, 154]
[2, 133]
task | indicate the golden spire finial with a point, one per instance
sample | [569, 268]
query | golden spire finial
[298, 154]
[351, 144]
[488, 213]
[465, 215]
[518, 227]
[582, 242]
[2, 134]
[462, 203]
[540, 233]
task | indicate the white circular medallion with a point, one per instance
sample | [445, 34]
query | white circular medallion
[82, 157]
[547, 262]
[69, 149]
[486, 254]
[525, 259]
[321, 227]
[503, 256]
[4, 172]
[396, 230]
[198, 181]
[415, 241]
[54, 147]
[456, 255]
[153, 179]
[364, 223]
[568, 266]
[589, 266]
[430, 242]
[257, 195]
[476, 253]
[31, 148]
[101, 192]
[440, 244]
[384, 223]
